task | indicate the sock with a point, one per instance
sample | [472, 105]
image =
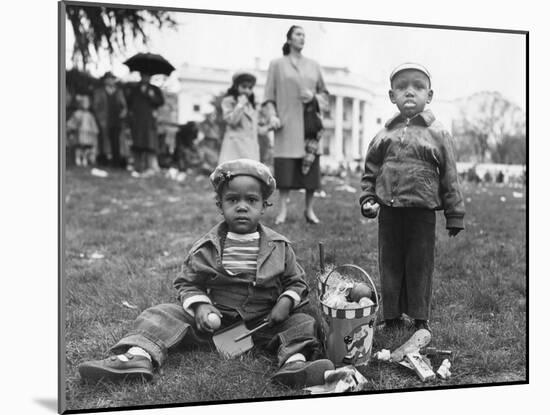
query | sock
[136, 351]
[298, 357]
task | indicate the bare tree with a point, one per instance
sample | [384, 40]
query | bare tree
[486, 119]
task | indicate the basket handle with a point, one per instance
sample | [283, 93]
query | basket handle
[369, 279]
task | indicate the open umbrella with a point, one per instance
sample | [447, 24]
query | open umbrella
[149, 63]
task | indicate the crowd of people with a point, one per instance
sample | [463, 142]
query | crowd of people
[102, 124]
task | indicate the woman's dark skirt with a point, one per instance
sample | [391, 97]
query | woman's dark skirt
[288, 174]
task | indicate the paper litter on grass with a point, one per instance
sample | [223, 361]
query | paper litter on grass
[346, 188]
[99, 173]
[127, 304]
[343, 379]
[383, 355]
[444, 370]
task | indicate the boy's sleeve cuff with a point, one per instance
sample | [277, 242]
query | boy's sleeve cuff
[455, 223]
[189, 301]
[292, 294]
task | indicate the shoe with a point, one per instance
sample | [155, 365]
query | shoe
[113, 368]
[311, 220]
[422, 324]
[299, 374]
[394, 323]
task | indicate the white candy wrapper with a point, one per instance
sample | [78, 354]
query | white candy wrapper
[336, 294]
[444, 370]
[384, 355]
[343, 379]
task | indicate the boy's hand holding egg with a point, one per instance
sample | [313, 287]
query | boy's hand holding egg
[214, 321]
[207, 317]
[370, 209]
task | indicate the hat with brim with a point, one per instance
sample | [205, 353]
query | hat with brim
[108, 75]
[244, 76]
[410, 65]
[242, 167]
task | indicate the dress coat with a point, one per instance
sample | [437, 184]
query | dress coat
[143, 100]
[284, 83]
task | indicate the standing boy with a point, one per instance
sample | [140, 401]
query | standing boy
[239, 271]
[410, 172]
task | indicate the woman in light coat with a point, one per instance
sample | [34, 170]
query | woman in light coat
[292, 81]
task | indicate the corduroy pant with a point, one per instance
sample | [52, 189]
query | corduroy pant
[161, 327]
[406, 249]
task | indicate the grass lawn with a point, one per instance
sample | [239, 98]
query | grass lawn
[143, 229]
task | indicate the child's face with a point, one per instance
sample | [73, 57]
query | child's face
[242, 204]
[410, 91]
[85, 103]
[245, 88]
[110, 82]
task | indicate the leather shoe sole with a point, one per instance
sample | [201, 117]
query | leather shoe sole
[113, 368]
[300, 374]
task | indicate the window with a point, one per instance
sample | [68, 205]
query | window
[379, 120]
[196, 108]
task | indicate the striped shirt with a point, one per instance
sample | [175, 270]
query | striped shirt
[240, 253]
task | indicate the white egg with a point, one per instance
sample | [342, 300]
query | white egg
[214, 321]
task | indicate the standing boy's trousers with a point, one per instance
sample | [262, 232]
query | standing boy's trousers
[406, 249]
[164, 326]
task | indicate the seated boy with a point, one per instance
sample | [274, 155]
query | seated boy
[239, 270]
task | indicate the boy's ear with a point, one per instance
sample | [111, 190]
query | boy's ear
[392, 96]
[430, 96]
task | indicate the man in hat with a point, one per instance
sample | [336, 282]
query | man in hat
[110, 109]
[239, 271]
[410, 172]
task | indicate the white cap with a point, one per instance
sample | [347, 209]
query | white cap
[410, 65]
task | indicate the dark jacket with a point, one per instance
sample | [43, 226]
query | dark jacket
[143, 122]
[411, 163]
[248, 296]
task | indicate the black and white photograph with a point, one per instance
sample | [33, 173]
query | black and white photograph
[262, 207]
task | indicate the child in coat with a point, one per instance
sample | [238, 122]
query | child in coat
[239, 271]
[240, 139]
[410, 172]
[83, 127]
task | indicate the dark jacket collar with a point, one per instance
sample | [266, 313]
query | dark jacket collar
[215, 235]
[426, 117]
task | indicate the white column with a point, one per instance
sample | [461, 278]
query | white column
[367, 135]
[355, 128]
[338, 128]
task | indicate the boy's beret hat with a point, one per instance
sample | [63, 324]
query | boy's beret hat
[242, 167]
[410, 65]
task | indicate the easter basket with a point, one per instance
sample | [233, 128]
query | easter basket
[349, 328]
